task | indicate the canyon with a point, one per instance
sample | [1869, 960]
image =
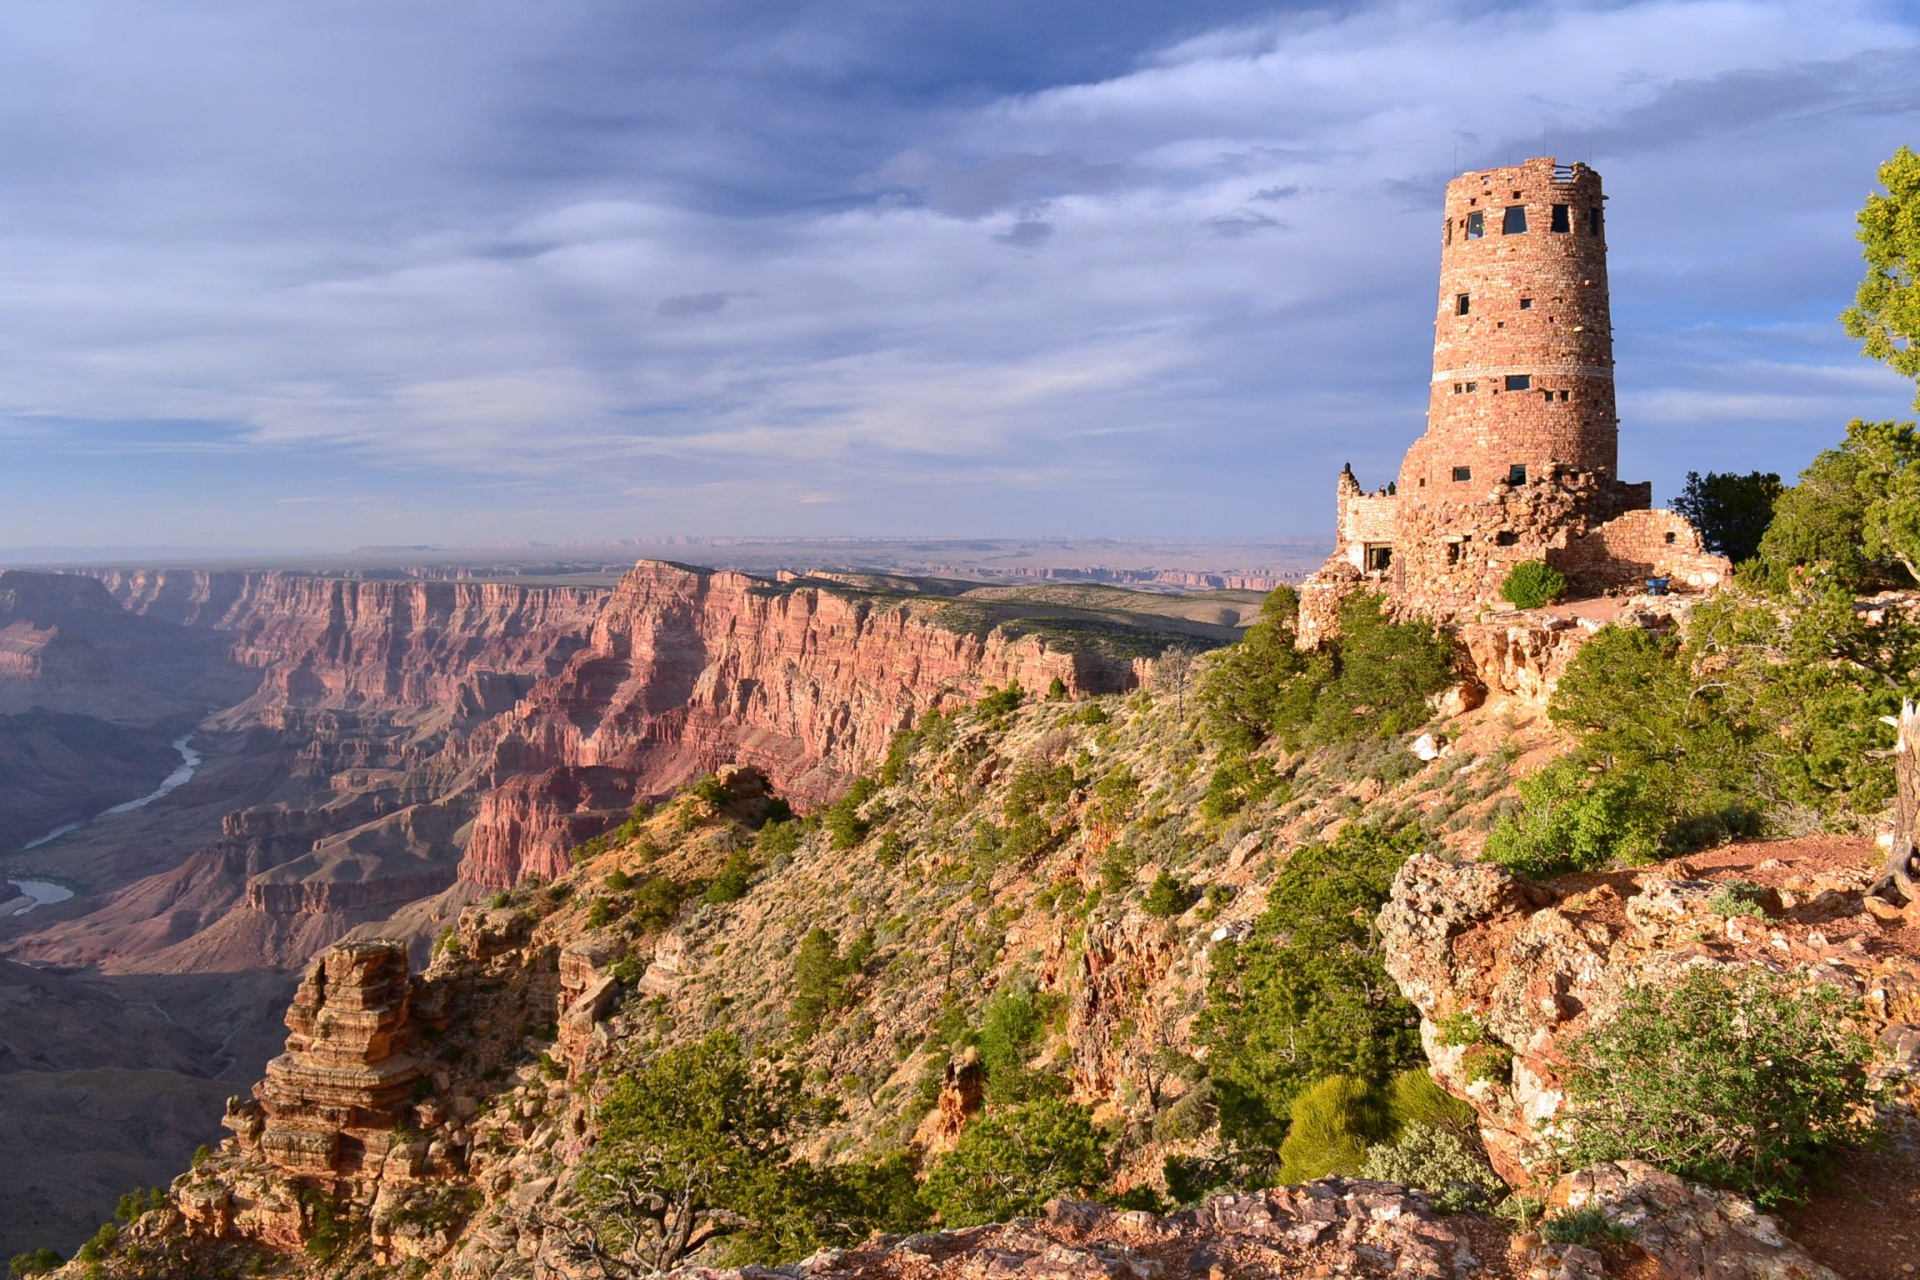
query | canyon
[379, 745]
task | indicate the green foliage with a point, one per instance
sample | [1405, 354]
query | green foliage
[1485, 1059]
[599, 913]
[1590, 1227]
[731, 884]
[1739, 1080]
[202, 1154]
[1013, 1026]
[1168, 897]
[34, 1263]
[998, 702]
[1739, 898]
[1009, 1163]
[1114, 795]
[1886, 310]
[1731, 511]
[1573, 820]
[326, 1227]
[657, 901]
[618, 881]
[1443, 1161]
[710, 789]
[777, 838]
[1533, 584]
[448, 943]
[1855, 511]
[135, 1203]
[842, 818]
[1330, 1127]
[820, 976]
[1372, 681]
[697, 1142]
[1236, 783]
[1413, 1098]
[1307, 995]
[1056, 690]
[100, 1243]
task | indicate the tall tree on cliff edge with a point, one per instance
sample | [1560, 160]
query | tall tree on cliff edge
[1886, 312]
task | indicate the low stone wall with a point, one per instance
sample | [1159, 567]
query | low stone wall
[1638, 545]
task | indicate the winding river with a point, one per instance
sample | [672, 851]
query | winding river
[44, 891]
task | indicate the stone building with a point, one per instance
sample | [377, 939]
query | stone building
[1521, 452]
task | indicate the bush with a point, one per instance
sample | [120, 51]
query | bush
[1009, 1163]
[34, 1263]
[1330, 1127]
[777, 838]
[820, 976]
[1168, 897]
[1413, 1098]
[1533, 584]
[731, 884]
[1056, 690]
[1731, 511]
[1739, 898]
[1441, 1161]
[842, 818]
[1589, 1227]
[1737, 1080]
[998, 702]
[1012, 1027]
[1572, 821]
[1307, 995]
[1237, 783]
[657, 902]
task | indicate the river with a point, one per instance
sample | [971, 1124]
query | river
[189, 761]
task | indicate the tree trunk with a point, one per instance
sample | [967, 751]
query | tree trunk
[1898, 873]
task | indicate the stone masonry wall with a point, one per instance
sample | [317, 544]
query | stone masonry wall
[1640, 545]
[1522, 302]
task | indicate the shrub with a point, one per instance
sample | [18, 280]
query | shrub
[1012, 1026]
[1307, 995]
[1739, 898]
[100, 1243]
[1168, 897]
[34, 1263]
[1442, 1161]
[1056, 690]
[1330, 1127]
[1589, 1227]
[599, 913]
[1533, 584]
[1737, 1080]
[998, 702]
[618, 881]
[1237, 783]
[657, 902]
[1413, 1098]
[731, 884]
[1731, 511]
[820, 976]
[1009, 1163]
[1573, 821]
[842, 818]
[777, 838]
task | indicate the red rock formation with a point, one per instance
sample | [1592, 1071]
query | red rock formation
[688, 670]
[335, 642]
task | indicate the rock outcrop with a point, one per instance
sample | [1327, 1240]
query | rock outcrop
[1534, 964]
[688, 669]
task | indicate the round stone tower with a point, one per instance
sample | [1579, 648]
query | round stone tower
[1523, 342]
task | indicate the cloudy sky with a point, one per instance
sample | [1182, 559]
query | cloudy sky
[279, 273]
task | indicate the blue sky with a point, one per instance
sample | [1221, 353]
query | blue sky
[282, 274]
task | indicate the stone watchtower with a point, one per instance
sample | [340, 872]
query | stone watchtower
[1521, 453]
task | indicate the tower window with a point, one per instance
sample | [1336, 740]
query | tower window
[1449, 238]
[1547, 396]
[1378, 557]
[1561, 220]
[1477, 224]
[1593, 221]
[1473, 386]
[1461, 304]
[1519, 382]
[1517, 473]
[1514, 221]
[1506, 538]
[1669, 537]
[1563, 397]
[1462, 474]
[1453, 553]
[1526, 304]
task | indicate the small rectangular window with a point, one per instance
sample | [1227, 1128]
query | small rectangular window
[1449, 231]
[1593, 221]
[1669, 537]
[1547, 396]
[1563, 396]
[1378, 558]
[1461, 304]
[1506, 538]
[1476, 224]
[1526, 304]
[1517, 473]
[1519, 382]
[1461, 474]
[1453, 553]
[1473, 386]
[1514, 222]
[1561, 219]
